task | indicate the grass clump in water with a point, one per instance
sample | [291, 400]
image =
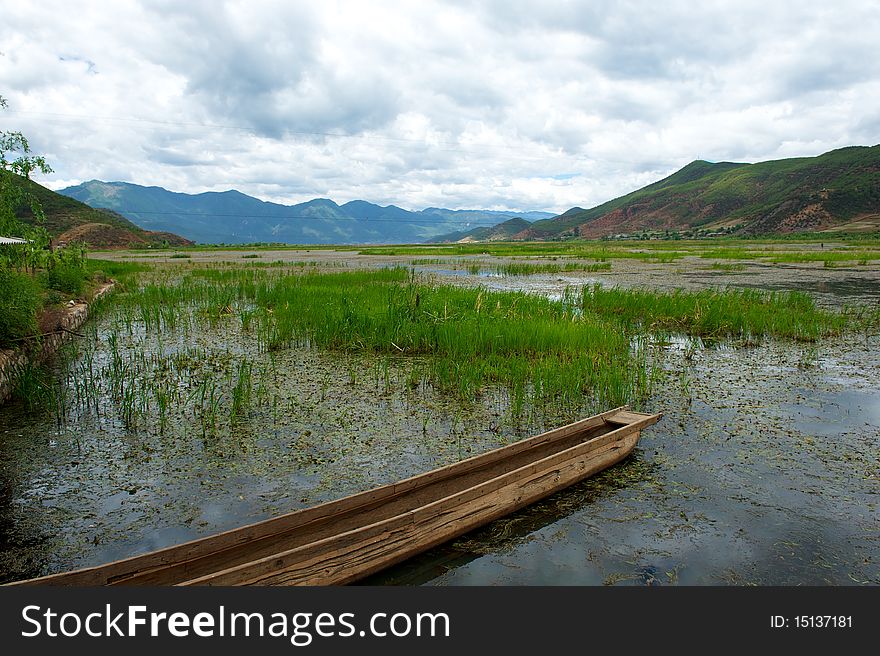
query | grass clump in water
[726, 266]
[729, 313]
[529, 344]
[526, 269]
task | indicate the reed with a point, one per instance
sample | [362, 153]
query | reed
[153, 365]
[574, 249]
[719, 314]
[829, 257]
[241, 392]
[526, 269]
[472, 337]
[34, 386]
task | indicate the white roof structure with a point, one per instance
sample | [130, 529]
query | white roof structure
[12, 240]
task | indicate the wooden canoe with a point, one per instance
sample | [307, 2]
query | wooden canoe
[345, 540]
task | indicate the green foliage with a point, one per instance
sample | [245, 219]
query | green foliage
[465, 341]
[17, 160]
[67, 269]
[34, 386]
[20, 298]
[67, 278]
[15, 153]
[115, 269]
[719, 314]
[21, 266]
[526, 269]
[457, 339]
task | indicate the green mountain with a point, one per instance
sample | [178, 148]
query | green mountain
[67, 219]
[837, 190]
[501, 232]
[232, 217]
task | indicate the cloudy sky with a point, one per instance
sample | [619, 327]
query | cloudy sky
[500, 105]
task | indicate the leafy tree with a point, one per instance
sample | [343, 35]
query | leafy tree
[16, 158]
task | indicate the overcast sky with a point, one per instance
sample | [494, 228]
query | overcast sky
[498, 105]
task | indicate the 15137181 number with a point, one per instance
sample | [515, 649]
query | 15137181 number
[823, 621]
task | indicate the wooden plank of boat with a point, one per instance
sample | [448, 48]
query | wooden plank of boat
[345, 540]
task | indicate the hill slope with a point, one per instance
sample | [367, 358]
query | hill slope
[233, 217]
[500, 232]
[774, 197]
[70, 220]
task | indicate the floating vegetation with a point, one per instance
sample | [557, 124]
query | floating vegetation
[575, 353]
[209, 394]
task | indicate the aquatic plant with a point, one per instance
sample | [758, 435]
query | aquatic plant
[398, 329]
[717, 313]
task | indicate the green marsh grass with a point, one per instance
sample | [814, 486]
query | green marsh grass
[34, 386]
[525, 269]
[576, 354]
[828, 257]
[241, 392]
[719, 314]
[471, 337]
[833, 257]
[572, 249]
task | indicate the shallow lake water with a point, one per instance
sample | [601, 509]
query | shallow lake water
[765, 468]
[98, 485]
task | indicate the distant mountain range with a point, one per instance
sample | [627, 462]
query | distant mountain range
[234, 218]
[837, 191]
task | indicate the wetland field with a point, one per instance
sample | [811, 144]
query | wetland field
[220, 386]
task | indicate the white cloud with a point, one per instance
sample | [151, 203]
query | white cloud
[505, 105]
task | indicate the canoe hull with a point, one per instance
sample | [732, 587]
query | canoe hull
[355, 558]
[348, 539]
